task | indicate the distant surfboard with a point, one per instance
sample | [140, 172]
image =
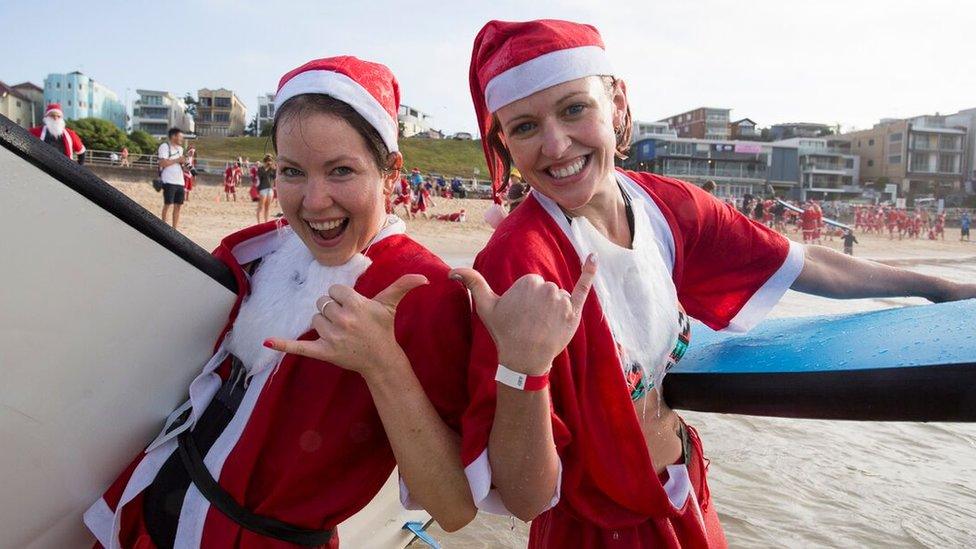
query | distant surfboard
[905, 364]
[106, 315]
[797, 209]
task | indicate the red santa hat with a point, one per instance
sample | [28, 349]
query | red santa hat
[53, 107]
[369, 88]
[512, 61]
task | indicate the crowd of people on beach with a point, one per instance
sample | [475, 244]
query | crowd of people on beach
[415, 194]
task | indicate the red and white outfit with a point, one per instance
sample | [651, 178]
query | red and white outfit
[229, 186]
[69, 139]
[724, 269]
[306, 445]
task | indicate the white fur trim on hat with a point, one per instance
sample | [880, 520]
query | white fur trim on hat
[49, 111]
[347, 90]
[545, 71]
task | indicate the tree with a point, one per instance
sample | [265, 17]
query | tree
[98, 134]
[252, 127]
[191, 105]
[266, 130]
[141, 142]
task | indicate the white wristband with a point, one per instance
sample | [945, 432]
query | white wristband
[520, 381]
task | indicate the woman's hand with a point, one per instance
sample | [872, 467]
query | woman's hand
[951, 291]
[533, 321]
[355, 333]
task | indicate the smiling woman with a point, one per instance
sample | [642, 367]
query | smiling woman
[319, 385]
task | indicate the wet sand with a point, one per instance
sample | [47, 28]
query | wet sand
[775, 482]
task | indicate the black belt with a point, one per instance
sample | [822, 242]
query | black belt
[186, 466]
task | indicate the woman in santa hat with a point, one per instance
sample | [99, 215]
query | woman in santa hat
[566, 425]
[324, 378]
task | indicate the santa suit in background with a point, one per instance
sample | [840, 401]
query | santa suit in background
[306, 446]
[229, 180]
[808, 223]
[727, 272]
[68, 142]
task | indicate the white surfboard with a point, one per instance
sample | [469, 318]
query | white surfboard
[106, 315]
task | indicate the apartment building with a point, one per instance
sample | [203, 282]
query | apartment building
[219, 112]
[701, 123]
[80, 96]
[155, 112]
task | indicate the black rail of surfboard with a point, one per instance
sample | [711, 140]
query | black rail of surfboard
[917, 393]
[80, 179]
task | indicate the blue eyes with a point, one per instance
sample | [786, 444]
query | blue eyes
[575, 109]
[572, 111]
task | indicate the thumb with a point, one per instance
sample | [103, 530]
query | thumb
[393, 293]
[481, 292]
[583, 285]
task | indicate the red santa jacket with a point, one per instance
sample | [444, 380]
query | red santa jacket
[72, 143]
[310, 449]
[728, 272]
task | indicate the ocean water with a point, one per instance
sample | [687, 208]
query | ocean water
[805, 483]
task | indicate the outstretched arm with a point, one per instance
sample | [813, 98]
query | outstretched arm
[831, 274]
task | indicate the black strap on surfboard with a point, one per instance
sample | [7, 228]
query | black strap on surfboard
[225, 503]
[164, 496]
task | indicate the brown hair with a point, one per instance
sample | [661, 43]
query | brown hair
[494, 137]
[317, 103]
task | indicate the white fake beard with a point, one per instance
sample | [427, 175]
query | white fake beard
[284, 290]
[54, 127]
[636, 293]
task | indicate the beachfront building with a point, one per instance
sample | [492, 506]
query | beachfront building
[219, 112]
[81, 96]
[701, 123]
[827, 169]
[23, 103]
[922, 155]
[155, 112]
[412, 121]
[266, 111]
[789, 130]
[966, 119]
[644, 130]
[744, 129]
[737, 167]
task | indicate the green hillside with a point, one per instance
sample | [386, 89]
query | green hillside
[444, 156]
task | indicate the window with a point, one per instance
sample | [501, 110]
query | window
[223, 102]
[69, 85]
[948, 142]
[894, 138]
[18, 104]
[859, 143]
[870, 163]
[920, 163]
[870, 142]
[69, 102]
[58, 84]
[894, 159]
[947, 163]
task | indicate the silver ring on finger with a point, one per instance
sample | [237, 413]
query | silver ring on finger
[322, 308]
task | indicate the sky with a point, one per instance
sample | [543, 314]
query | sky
[828, 61]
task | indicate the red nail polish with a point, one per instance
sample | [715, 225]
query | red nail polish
[267, 343]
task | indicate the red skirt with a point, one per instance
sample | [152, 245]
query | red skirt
[697, 526]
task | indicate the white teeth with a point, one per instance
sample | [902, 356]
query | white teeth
[326, 225]
[572, 169]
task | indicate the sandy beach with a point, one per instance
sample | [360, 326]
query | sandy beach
[776, 483]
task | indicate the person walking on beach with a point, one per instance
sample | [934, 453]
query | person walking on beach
[266, 180]
[582, 303]
[849, 241]
[229, 187]
[171, 161]
[124, 158]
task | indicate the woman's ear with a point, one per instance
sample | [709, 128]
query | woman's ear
[620, 105]
[394, 163]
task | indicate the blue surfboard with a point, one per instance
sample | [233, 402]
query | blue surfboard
[906, 364]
